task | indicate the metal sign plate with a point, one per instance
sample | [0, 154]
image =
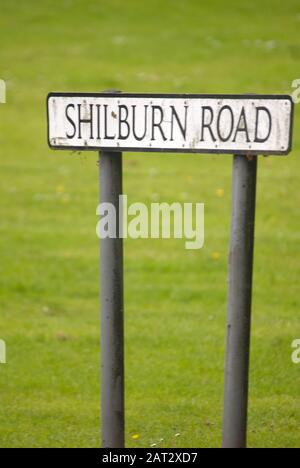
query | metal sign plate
[234, 124]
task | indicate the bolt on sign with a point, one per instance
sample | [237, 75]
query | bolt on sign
[172, 123]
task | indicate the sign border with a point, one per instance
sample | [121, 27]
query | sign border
[174, 96]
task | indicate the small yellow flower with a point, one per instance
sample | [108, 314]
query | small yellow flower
[60, 189]
[220, 193]
[135, 436]
[216, 255]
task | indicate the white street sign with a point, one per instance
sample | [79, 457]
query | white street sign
[235, 124]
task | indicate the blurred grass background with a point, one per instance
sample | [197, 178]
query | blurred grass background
[175, 299]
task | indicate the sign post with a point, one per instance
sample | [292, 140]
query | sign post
[239, 305]
[112, 308]
[112, 123]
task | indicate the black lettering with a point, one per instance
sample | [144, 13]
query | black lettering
[244, 128]
[139, 138]
[123, 122]
[257, 138]
[207, 124]
[70, 106]
[182, 127]
[222, 137]
[157, 124]
[106, 136]
[85, 121]
[98, 121]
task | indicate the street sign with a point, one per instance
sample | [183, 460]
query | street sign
[115, 122]
[235, 124]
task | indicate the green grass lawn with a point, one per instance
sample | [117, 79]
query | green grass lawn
[175, 299]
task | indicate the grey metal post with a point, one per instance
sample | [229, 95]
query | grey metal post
[240, 298]
[112, 305]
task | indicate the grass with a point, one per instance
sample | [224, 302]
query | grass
[175, 299]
